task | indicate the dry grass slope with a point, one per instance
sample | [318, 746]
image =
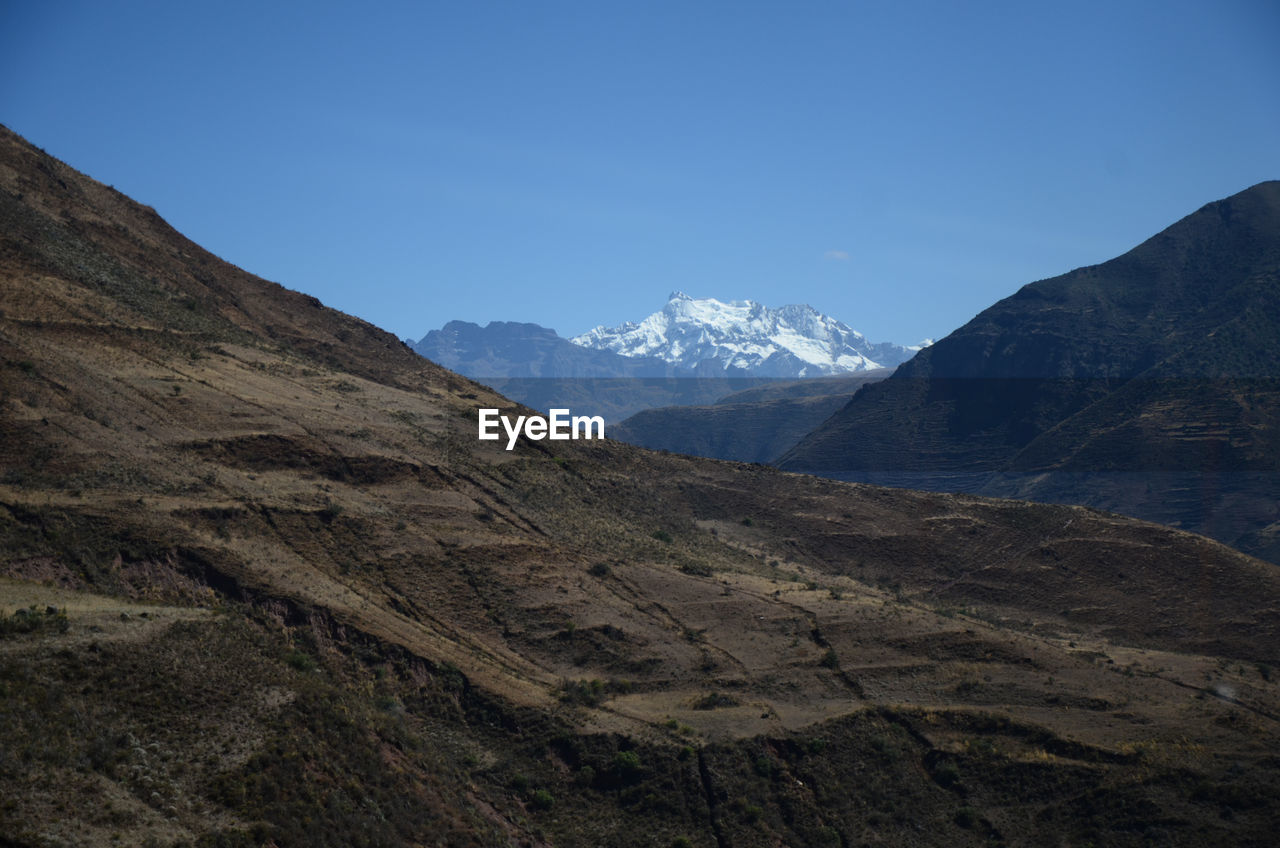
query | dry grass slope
[282, 594]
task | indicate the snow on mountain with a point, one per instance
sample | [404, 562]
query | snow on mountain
[742, 337]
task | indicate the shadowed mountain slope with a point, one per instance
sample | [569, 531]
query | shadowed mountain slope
[753, 425]
[261, 583]
[1150, 383]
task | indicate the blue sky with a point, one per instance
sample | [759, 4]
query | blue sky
[900, 166]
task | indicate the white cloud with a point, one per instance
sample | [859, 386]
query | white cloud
[838, 255]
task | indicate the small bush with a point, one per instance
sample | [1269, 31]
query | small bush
[31, 620]
[299, 661]
[714, 700]
[627, 766]
[663, 536]
[542, 799]
[966, 817]
[586, 692]
[600, 569]
[591, 692]
[947, 774]
[765, 766]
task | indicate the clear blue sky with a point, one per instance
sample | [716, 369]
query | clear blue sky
[899, 165]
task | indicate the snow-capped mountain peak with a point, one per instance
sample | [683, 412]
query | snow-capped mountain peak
[743, 337]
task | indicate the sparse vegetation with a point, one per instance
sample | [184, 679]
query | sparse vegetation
[591, 693]
[300, 661]
[310, 611]
[714, 701]
[542, 799]
[32, 620]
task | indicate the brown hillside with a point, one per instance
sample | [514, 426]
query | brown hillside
[262, 583]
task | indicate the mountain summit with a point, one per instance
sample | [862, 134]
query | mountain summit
[745, 338]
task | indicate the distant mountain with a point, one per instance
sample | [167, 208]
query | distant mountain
[512, 349]
[535, 366]
[744, 338]
[1147, 384]
[754, 425]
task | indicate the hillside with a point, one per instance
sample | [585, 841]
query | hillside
[262, 584]
[1149, 384]
[758, 424]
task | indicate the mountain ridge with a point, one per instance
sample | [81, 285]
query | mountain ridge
[536, 366]
[745, 338]
[1161, 360]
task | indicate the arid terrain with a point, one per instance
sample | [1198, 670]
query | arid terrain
[262, 585]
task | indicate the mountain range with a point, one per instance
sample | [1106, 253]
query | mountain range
[744, 338]
[693, 352]
[261, 584]
[533, 365]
